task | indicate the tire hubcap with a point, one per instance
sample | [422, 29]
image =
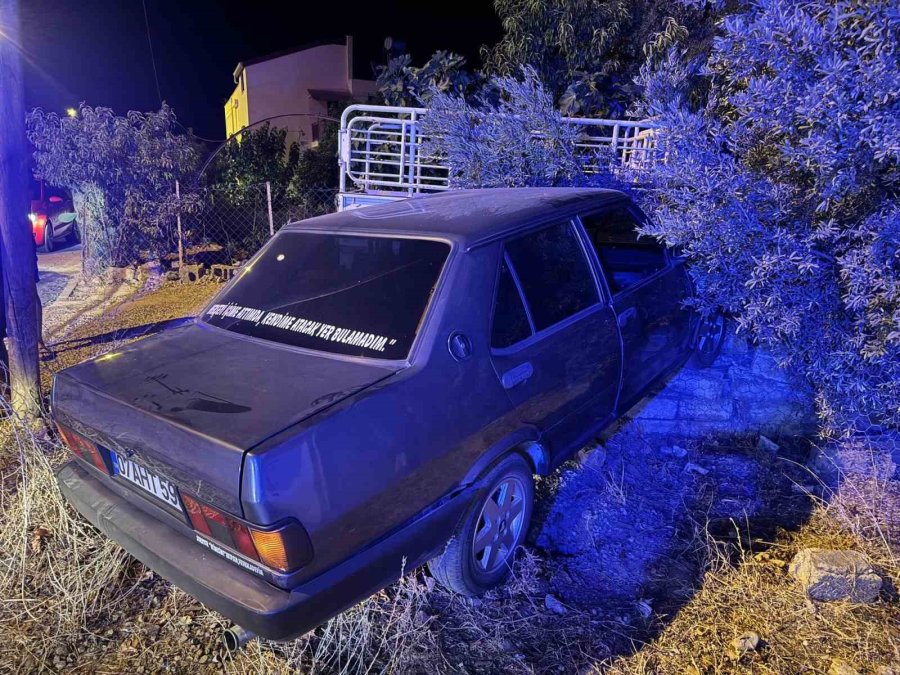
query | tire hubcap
[499, 525]
[711, 333]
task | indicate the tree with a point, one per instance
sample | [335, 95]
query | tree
[122, 172]
[400, 83]
[512, 136]
[255, 157]
[587, 52]
[782, 190]
[16, 242]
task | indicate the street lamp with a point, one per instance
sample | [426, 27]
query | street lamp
[71, 112]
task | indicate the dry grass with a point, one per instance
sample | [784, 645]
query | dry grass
[745, 591]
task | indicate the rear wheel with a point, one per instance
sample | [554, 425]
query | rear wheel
[49, 244]
[481, 551]
[710, 338]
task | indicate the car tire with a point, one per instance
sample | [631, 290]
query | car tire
[480, 553]
[48, 237]
[710, 339]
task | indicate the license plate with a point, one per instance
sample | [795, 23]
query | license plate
[146, 480]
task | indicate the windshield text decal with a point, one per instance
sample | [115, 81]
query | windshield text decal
[288, 322]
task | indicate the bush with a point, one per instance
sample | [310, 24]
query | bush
[512, 137]
[782, 192]
[121, 172]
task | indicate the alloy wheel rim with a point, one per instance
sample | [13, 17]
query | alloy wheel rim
[499, 525]
[711, 333]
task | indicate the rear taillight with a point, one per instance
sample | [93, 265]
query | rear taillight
[284, 548]
[82, 447]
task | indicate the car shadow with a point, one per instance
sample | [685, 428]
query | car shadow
[131, 333]
[621, 539]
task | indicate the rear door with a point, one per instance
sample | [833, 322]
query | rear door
[554, 341]
[648, 288]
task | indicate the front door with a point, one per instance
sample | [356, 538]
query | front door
[555, 346]
[648, 288]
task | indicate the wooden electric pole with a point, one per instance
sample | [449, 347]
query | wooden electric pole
[16, 238]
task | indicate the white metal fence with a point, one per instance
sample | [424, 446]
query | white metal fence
[380, 150]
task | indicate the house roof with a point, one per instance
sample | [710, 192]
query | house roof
[470, 217]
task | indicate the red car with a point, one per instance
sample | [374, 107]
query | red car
[52, 217]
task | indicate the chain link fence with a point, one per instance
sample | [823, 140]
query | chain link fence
[232, 222]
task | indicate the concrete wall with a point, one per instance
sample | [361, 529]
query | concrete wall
[743, 391]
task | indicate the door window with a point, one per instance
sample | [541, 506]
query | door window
[511, 323]
[626, 259]
[554, 274]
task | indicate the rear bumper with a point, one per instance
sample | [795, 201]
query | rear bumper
[247, 600]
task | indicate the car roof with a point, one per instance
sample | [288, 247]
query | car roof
[469, 217]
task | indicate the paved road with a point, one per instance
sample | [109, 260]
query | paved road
[56, 269]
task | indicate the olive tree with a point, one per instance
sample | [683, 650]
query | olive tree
[782, 190]
[121, 171]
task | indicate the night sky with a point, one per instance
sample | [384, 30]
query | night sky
[96, 51]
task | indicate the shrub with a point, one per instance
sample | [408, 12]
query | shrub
[122, 172]
[782, 192]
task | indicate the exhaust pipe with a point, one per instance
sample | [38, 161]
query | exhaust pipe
[236, 637]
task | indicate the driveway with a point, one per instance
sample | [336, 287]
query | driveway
[56, 270]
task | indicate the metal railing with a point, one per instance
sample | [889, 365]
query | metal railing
[381, 150]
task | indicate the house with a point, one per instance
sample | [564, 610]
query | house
[294, 87]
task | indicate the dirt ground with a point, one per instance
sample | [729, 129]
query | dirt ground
[645, 556]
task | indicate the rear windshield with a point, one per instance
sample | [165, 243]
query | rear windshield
[355, 295]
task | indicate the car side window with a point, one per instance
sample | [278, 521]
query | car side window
[625, 258]
[554, 274]
[510, 318]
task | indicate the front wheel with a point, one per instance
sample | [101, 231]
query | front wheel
[710, 338]
[480, 553]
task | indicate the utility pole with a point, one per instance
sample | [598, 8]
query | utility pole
[16, 238]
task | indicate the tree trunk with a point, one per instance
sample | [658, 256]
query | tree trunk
[17, 255]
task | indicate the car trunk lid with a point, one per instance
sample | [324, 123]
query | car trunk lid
[188, 403]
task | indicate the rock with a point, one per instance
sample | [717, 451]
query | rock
[746, 642]
[172, 275]
[766, 444]
[645, 609]
[690, 467]
[828, 575]
[674, 451]
[841, 667]
[554, 605]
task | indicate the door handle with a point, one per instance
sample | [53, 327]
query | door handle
[517, 375]
[626, 316]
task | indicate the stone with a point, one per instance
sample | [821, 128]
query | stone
[766, 444]
[690, 467]
[746, 642]
[554, 605]
[674, 451]
[827, 575]
[172, 275]
[841, 667]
